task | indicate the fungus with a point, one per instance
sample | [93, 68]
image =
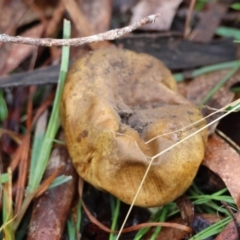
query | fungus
[113, 102]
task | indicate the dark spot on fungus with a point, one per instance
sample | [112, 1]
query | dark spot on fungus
[190, 112]
[90, 160]
[81, 135]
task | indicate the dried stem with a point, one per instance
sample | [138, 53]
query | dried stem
[189, 14]
[49, 42]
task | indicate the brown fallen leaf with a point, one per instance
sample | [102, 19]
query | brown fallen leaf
[12, 122]
[12, 15]
[225, 162]
[51, 208]
[17, 53]
[81, 21]
[186, 209]
[15, 14]
[167, 9]
[98, 14]
[113, 102]
[199, 87]
[209, 21]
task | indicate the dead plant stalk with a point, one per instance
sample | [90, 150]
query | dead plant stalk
[49, 42]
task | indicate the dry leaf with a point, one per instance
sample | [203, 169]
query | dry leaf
[51, 208]
[81, 19]
[199, 87]
[18, 53]
[208, 22]
[11, 12]
[98, 14]
[167, 9]
[115, 100]
[225, 162]
[230, 232]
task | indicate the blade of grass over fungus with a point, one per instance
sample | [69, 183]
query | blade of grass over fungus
[115, 203]
[54, 121]
[220, 84]
[179, 77]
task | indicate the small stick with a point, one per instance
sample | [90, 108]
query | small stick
[49, 42]
[233, 217]
[189, 14]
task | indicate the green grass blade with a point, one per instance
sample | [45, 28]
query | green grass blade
[59, 180]
[235, 6]
[235, 89]
[79, 216]
[71, 230]
[115, 214]
[212, 230]
[3, 107]
[37, 144]
[7, 210]
[54, 121]
[228, 32]
[4, 177]
[74, 227]
[220, 84]
[179, 77]
[162, 218]
[141, 233]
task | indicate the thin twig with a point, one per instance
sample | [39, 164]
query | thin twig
[189, 14]
[49, 42]
[233, 217]
[228, 140]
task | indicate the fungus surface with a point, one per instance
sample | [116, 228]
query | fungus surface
[114, 101]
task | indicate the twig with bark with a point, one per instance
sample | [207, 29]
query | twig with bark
[49, 42]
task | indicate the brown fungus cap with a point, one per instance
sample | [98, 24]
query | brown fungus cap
[113, 102]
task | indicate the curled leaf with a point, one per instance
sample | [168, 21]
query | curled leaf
[223, 160]
[114, 101]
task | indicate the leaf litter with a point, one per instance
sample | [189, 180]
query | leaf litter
[196, 89]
